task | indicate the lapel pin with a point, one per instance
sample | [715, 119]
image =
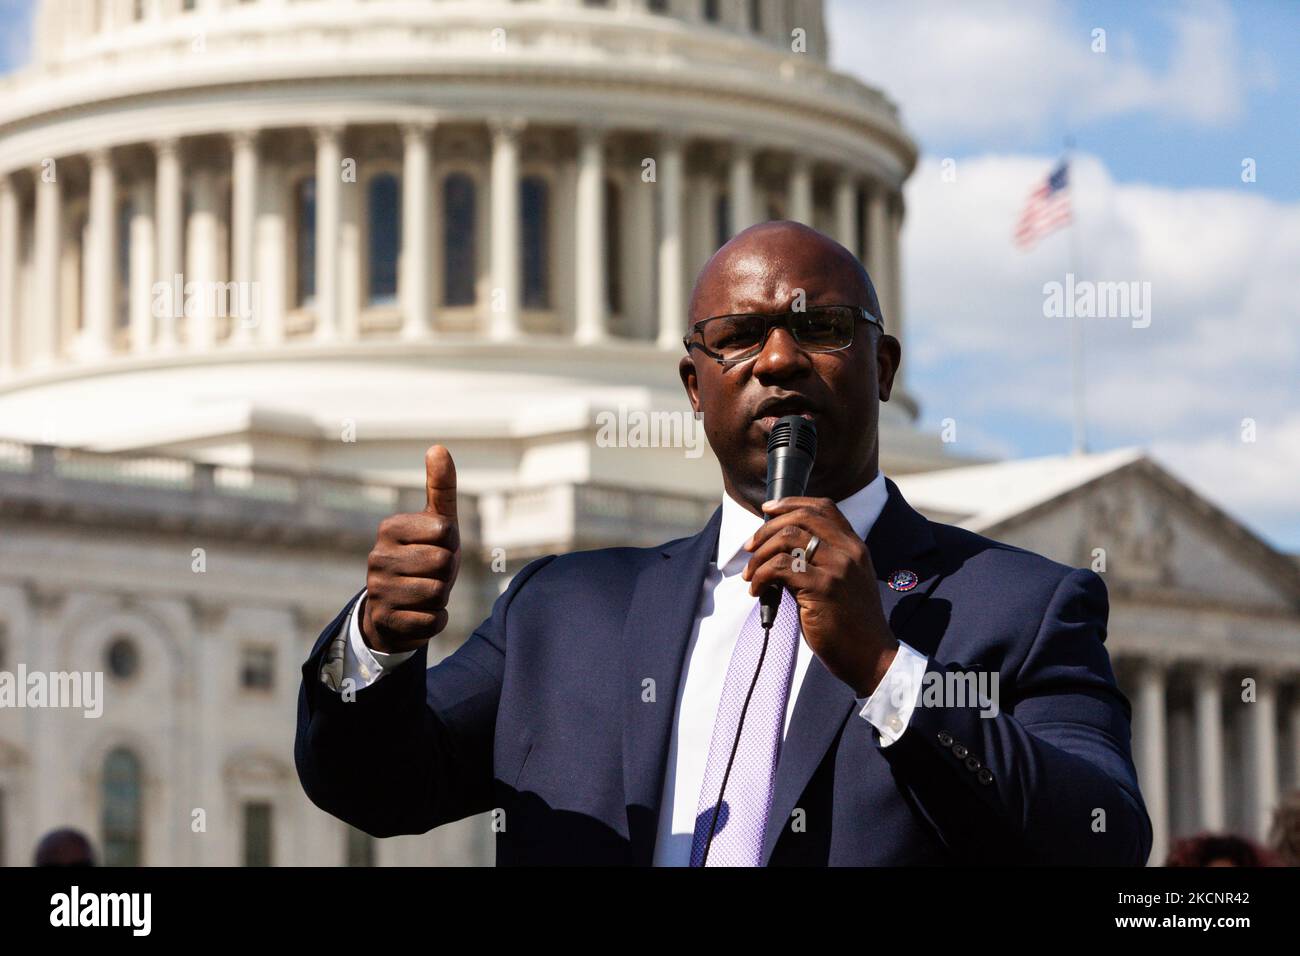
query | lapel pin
[903, 580]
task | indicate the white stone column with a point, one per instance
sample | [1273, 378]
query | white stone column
[592, 319]
[846, 196]
[348, 289]
[801, 190]
[876, 249]
[141, 266]
[48, 243]
[271, 261]
[894, 317]
[413, 273]
[1263, 736]
[505, 238]
[201, 261]
[1152, 756]
[170, 207]
[101, 272]
[244, 177]
[329, 159]
[741, 199]
[1209, 749]
[672, 286]
[8, 276]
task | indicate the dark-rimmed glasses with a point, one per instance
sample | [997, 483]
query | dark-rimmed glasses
[731, 339]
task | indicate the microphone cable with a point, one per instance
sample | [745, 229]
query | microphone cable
[717, 807]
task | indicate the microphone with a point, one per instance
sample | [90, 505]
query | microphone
[791, 449]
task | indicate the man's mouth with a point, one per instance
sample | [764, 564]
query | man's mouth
[769, 413]
[768, 422]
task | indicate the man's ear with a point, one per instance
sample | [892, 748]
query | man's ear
[888, 356]
[686, 369]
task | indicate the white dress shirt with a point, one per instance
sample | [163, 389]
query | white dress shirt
[725, 604]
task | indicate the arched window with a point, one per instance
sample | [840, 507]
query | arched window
[125, 213]
[121, 797]
[613, 248]
[259, 819]
[384, 203]
[304, 225]
[360, 849]
[534, 207]
[460, 225]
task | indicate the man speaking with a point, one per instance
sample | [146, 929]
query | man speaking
[629, 705]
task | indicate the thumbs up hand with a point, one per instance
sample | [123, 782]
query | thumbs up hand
[414, 564]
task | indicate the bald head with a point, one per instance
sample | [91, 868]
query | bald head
[765, 267]
[65, 847]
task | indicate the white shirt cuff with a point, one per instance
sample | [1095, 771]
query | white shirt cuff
[361, 663]
[890, 706]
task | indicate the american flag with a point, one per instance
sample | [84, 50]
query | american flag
[1047, 209]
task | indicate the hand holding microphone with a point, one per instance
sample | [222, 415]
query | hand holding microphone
[836, 591]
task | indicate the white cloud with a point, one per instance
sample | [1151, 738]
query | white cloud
[1256, 481]
[1223, 343]
[998, 67]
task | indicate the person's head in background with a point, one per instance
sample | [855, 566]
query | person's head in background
[1218, 849]
[65, 847]
[774, 268]
[1285, 835]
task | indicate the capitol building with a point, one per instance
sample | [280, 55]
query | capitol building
[257, 255]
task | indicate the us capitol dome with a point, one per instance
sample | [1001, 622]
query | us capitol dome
[411, 221]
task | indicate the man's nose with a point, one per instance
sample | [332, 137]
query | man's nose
[781, 354]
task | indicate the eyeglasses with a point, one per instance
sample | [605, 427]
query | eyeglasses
[732, 339]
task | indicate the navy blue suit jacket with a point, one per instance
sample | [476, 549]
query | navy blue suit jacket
[541, 714]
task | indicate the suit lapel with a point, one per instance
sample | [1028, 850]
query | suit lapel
[658, 628]
[900, 540]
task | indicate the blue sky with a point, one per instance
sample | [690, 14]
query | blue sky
[1255, 111]
[1162, 120]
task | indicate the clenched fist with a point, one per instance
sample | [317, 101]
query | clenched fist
[414, 564]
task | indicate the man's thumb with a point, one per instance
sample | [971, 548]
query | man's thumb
[439, 482]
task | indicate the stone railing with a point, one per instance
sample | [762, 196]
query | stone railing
[154, 491]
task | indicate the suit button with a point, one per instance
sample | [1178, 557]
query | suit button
[972, 764]
[945, 739]
[985, 776]
[959, 751]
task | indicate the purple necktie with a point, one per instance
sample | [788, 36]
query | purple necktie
[738, 836]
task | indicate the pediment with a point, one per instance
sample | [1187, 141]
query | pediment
[1144, 530]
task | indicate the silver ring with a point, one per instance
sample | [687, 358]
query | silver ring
[809, 551]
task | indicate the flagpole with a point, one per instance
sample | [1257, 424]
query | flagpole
[1079, 419]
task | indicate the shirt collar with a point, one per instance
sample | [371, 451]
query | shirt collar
[861, 508]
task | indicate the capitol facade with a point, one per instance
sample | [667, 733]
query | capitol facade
[256, 256]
